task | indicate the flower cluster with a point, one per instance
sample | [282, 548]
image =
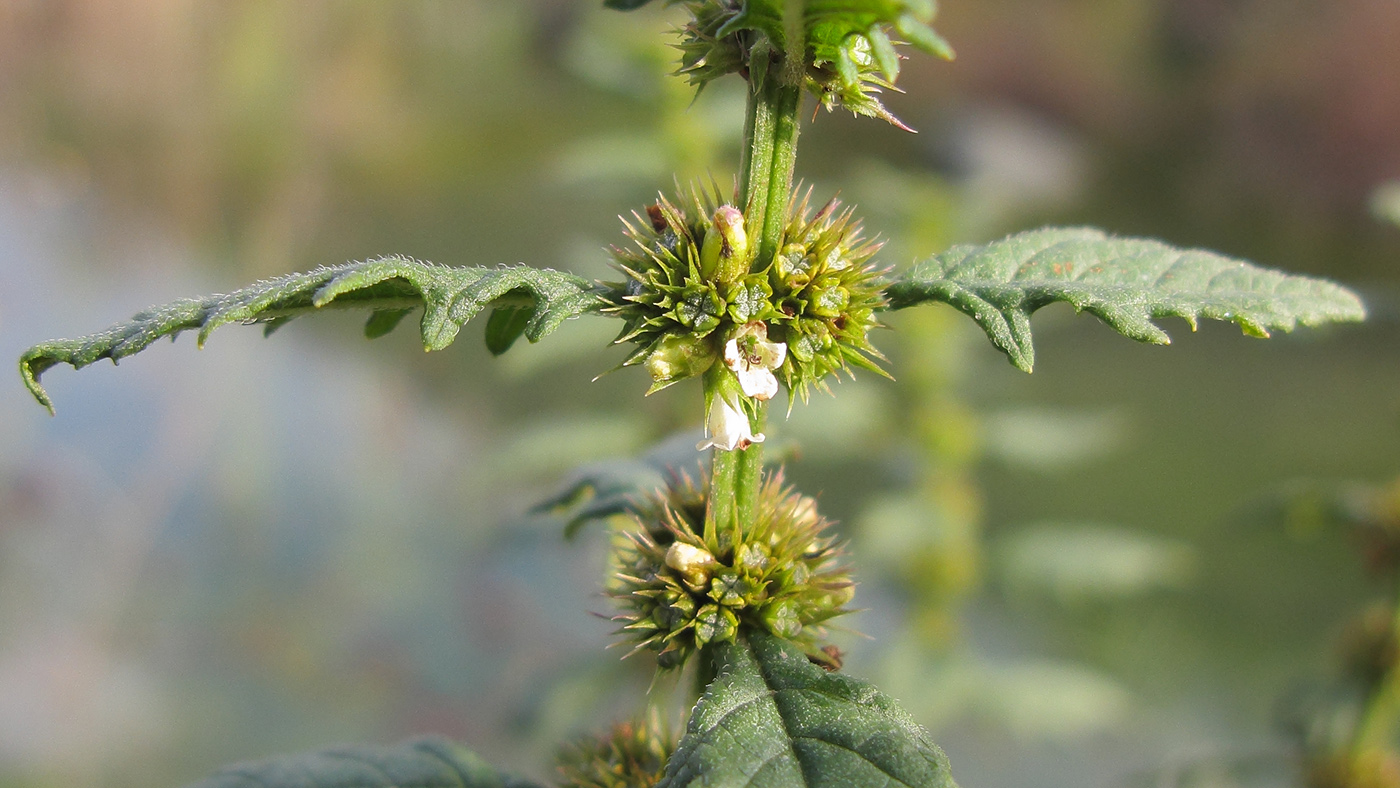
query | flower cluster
[697, 300]
[849, 56]
[633, 755]
[680, 591]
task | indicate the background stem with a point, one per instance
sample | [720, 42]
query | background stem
[1376, 730]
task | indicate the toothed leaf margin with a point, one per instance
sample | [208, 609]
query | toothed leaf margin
[1126, 282]
[533, 301]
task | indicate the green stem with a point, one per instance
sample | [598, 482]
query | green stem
[1377, 728]
[770, 153]
[719, 511]
[748, 477]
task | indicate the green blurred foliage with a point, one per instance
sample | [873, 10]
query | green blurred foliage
[169, 607]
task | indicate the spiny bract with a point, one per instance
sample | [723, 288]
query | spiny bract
[693, 285]
[681, 588]
[848, 59]
[632, 755]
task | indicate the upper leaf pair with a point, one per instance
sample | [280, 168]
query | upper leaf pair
[1127, 282]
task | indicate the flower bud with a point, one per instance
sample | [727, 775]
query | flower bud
[715, 624]
[694, 563]
[677, 357]
[725, 253]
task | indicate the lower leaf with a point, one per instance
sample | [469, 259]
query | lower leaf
[772, 719]
[417, 763]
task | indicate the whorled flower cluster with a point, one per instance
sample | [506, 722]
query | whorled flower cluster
[632, 755]
[850, 56]
[680, 589]
[696, 296]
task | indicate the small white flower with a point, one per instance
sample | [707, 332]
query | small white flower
[727, 427]
[752, 358]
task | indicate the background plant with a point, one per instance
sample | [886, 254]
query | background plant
[1010, 381]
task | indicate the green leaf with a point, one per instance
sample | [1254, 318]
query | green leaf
[1126, 282]
[772, 719]
[625, 5]
[379, 324]
[390, 287]
[418, 763]
[504, 326]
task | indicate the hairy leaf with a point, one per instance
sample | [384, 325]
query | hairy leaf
[772, 719]
[538, 300]
[622, 486]
[418, 763]
[1126, 282]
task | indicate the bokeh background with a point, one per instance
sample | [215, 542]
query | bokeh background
[1117, 571]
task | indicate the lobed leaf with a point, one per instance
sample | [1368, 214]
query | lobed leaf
[529, 301]
[772, 719]
[1126, 282]
[418, 763]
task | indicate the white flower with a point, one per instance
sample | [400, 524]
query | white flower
[752, 358]
[727, 427]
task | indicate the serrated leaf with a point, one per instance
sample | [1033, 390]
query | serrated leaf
[621, 486]
[504, 326]
[772, 719]
[419, 763]
[390, 287]
[380, 323]
[1126, 282]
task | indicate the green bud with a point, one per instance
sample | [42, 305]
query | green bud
[782, 619]
[715, 624]
[751, 556]
[828, 298]
[677, 357]
[725, 252]
[700, 309]
[748, 299]
[731, 589]
[793, 266]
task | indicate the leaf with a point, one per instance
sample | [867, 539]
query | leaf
[379, 324]
[391, 287]
[418, 763]
[504, 326]
[1126, 282]
[772, 719]
[622, 486]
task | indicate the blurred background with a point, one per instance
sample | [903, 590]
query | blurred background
[1135, 567]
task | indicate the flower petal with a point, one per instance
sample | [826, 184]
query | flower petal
[758, 383]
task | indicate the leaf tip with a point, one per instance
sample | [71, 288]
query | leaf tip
[31, 366]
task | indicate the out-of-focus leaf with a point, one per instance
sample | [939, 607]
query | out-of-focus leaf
[1074, 562]
[504, 326]
[389, 286]
[601, 491]
[1126, 282]
[1052, 439]
[419, 763]
[625, 5]
[605, 489]
[1385, 202]
[772, 719]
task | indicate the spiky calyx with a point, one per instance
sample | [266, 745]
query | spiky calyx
[631, 755]
[693, 286]
[681, 586]
[848, 53]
